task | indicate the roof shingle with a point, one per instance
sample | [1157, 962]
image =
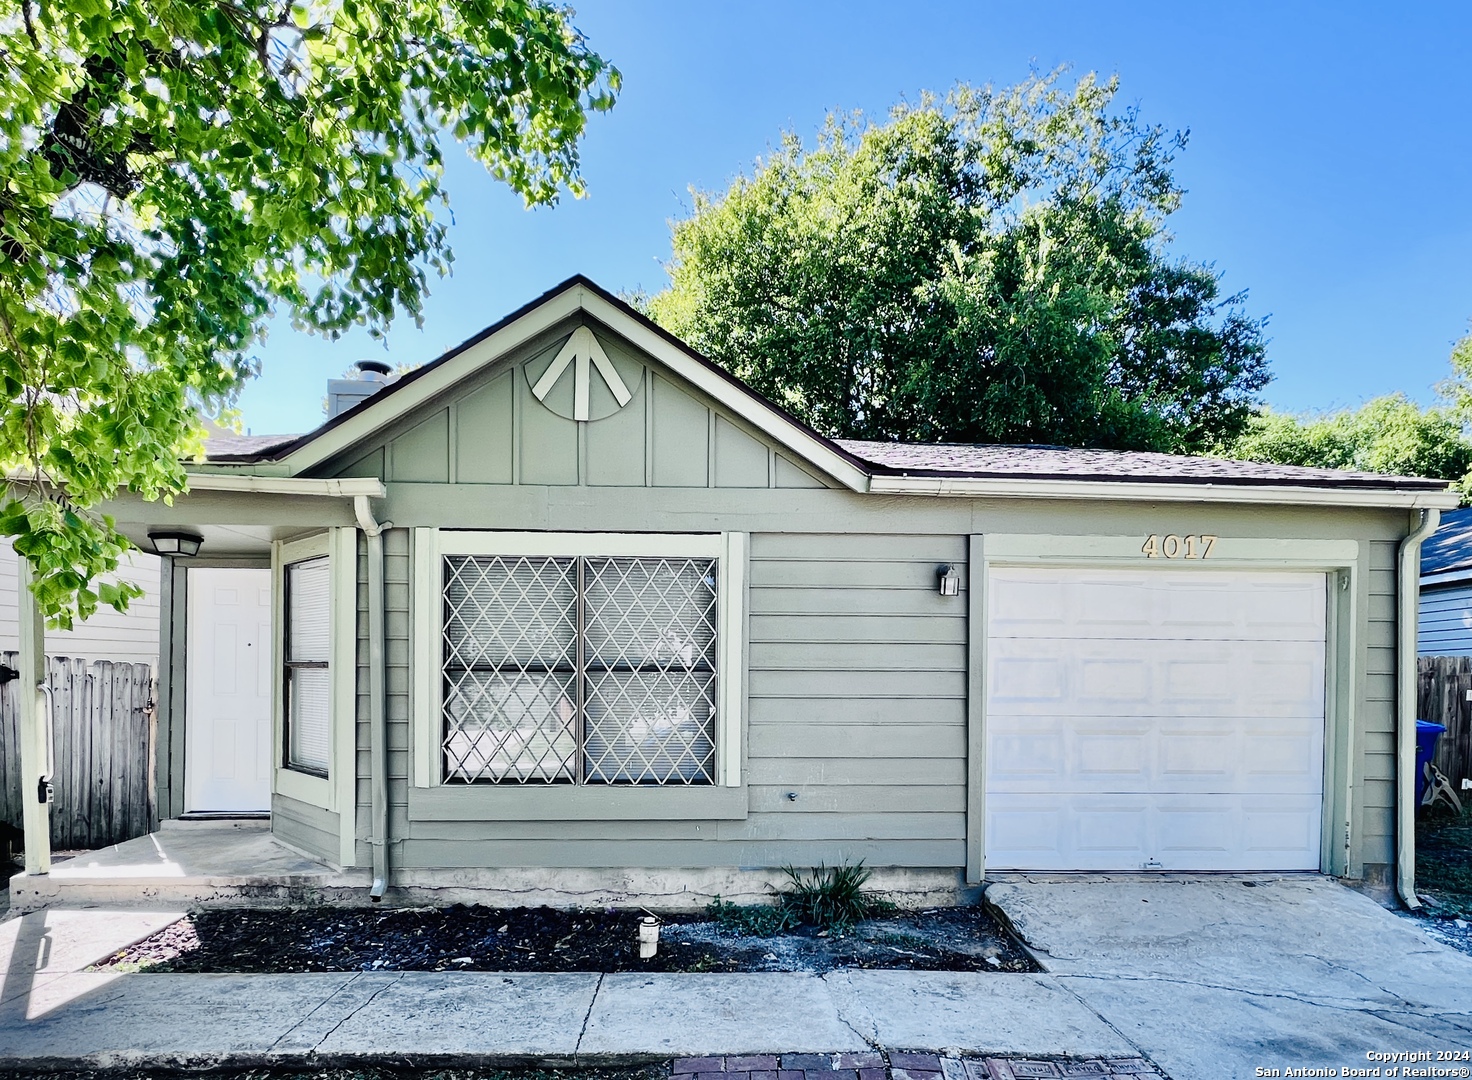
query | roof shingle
[1063, 463]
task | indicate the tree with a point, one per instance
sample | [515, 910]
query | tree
[176, 170]
[1390, 434]
[992, 267]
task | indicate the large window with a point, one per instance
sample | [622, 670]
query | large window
[307, 681]
[579, 669]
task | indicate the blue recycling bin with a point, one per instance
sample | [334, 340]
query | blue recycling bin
[1426, 735]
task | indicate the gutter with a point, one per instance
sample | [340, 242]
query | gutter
[1407, 599]
[1139, 491]
[347, 487]
[377, 710]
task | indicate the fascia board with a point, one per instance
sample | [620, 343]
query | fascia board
[346, 487]
[1127, 491]
[432, 383]
[750, 408]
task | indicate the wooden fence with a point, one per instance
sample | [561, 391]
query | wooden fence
[104, 732]
[1444, 695]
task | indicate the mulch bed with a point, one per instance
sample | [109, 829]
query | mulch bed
[464, 938]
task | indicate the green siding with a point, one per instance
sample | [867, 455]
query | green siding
[483, 433]
[305, 827]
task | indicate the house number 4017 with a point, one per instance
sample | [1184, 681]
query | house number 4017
[1171, 546]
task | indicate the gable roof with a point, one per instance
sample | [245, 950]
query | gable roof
[576, 294]
[879, 467]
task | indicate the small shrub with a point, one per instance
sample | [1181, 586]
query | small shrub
[754, 920]
[832, 898]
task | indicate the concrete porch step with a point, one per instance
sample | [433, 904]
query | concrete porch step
[209, 862]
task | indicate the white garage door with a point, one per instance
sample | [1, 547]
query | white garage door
[1157, 719]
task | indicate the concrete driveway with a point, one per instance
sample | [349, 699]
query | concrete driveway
[1218, 977]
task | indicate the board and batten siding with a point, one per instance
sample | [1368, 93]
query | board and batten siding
[1445, 625]
[857, 683]
[126, 637]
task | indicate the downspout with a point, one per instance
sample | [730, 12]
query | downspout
[1408, 590]
[377, 711]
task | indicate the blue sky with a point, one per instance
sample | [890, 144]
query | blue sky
[1327, 172]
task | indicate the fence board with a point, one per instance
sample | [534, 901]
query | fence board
[1444, 695]
[104, 731]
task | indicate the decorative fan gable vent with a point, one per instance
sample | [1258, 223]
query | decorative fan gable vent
[583, 355]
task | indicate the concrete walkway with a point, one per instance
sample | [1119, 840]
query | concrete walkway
[1218, 976]
[1211, 978]
[54, 1013]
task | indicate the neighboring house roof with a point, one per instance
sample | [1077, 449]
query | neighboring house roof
[226, 446]
[941, 469]
[1446, 555]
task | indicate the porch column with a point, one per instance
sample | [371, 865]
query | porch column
[35, 736]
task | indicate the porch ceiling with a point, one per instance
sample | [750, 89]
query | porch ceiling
[221, 540]
[232, 522]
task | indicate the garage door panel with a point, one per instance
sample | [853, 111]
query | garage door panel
[1133, 754]
[1152, 832]
[1231, 678]
[1154, 719]
[1173, 603]
[1115, 828]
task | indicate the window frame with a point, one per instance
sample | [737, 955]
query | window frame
[431, 797]
[335, 789]
[289, 667]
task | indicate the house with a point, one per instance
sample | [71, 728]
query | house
[571, 608]
[1445, 626]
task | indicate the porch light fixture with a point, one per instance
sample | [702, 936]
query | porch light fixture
[948, 580]
[175, 542]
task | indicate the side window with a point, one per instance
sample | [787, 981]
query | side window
[587, 670]
[307, 654]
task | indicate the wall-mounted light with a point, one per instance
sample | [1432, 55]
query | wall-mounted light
[948, 580]
[175, 542]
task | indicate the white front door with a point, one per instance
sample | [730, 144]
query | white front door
[1154, 719]
[227, 727]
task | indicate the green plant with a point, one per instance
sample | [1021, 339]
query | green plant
[832, 898]
[754, 920]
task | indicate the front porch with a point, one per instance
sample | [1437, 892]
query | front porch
[193, 864]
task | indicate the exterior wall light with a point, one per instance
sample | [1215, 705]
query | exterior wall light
[177, 542]
[948, 580]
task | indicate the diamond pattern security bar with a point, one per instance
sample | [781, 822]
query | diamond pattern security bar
[579, 670]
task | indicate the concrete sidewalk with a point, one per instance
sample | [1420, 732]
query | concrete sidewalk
[95, 1019]
[53, 1013]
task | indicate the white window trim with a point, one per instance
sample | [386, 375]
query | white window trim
[430, 547]
[335, 790]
